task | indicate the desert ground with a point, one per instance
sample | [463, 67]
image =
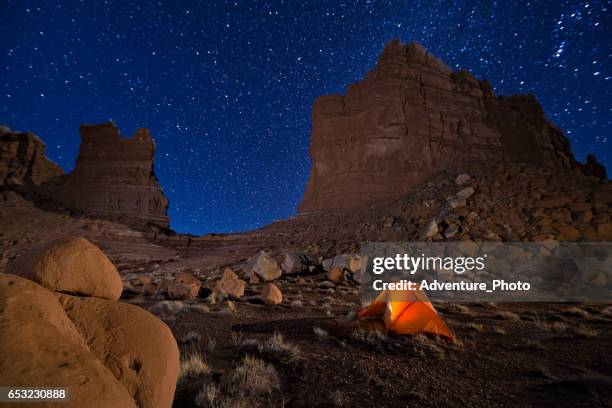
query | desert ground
[310, 350]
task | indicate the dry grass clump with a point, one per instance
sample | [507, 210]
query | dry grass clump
[192, 363]
[461, 309]
[585, 331]
[578, 312]
[369, 337]
[319, 332]
[550, 326]
[199, 308]
[253, 377]
[535, 344]
[237, 338]
[191, 337]
[426, 346]
[212, 344]
[250, 384]
[211, 396]
[276, 348]
[477, 327]
[507, 315]
[339, 399]
[167, 306]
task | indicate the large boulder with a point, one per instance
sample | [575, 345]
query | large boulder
[294, 263]
[230, 284]
[263, 268]
[71, 265]
[138, 348]
[39, 346]
[184, 287]
[350, 262]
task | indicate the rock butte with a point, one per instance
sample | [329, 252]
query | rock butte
[411, 117]
[114, 178]
[22, 159]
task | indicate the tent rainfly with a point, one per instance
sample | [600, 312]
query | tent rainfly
[406, 312]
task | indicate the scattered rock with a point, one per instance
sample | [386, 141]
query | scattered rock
[184, 287]
[271, 294]
[335, 274]
[462, 178]
[294, 263]
[183, 291]
[465, 193]
[456, 202]
[430, 230]
[263, 268]
[351, 262]
[70, 265]
[143, 280]
[605, 231]
[451, 231]
[230, 284]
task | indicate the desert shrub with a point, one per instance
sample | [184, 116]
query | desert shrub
[237, 338]
[507, 315]
[585, 331]
[253, 377]
[576, 311]
[477, 327]
[192, 363]
[426, 346]
[277, 348]
[369, 337]
[319, 332]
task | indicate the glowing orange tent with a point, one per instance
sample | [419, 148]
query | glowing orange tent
[406, 312]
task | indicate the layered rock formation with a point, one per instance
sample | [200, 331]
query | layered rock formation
[412, 117]
[113, 177]
[22, 159]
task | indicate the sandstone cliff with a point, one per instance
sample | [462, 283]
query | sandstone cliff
[411, 117]
[113, 178]
[22, 159]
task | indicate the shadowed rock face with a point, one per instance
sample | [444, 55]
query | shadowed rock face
[411, 117]
[114, 178]
[22, 159]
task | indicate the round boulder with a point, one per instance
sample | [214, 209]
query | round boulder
[137, 347]
[271, 294]
[70, 265]
[40, 346]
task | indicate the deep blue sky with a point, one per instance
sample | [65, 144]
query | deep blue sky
[226, 87]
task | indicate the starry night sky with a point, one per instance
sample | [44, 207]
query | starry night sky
[226, 87]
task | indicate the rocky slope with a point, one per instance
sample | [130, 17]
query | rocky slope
[22, 159]
[114, 178]
[412, 117]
